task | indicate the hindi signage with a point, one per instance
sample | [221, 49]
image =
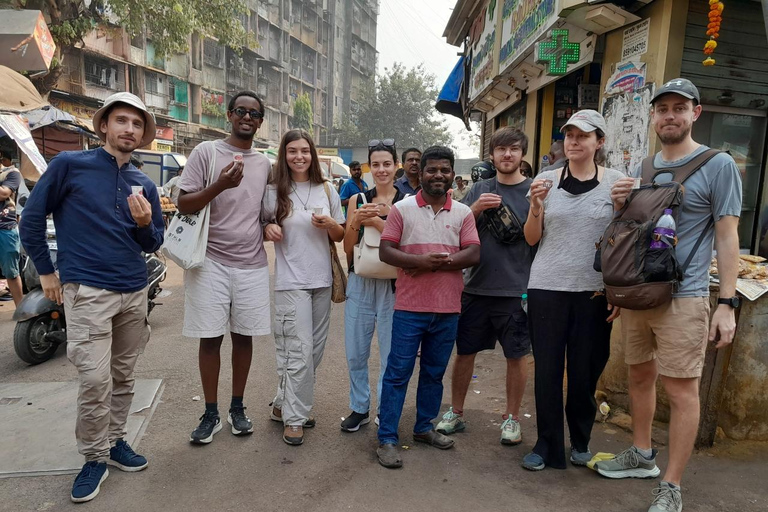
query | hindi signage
[523, 22]
[482, 41]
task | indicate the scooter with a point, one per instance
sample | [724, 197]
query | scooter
[41, 324]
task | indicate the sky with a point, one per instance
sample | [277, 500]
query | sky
[411, 32]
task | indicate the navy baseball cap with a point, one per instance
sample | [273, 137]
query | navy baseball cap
[681, 86]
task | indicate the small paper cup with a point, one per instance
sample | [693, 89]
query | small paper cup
[636, 184]
[137, 190]
[547, 183]
[237, 157]
[317, 210]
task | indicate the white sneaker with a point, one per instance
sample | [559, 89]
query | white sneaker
[451, 423]
[511, 433]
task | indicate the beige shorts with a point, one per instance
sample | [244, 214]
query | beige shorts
[218, 299]
[675, 334]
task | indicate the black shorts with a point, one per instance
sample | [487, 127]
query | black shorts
[485, 320]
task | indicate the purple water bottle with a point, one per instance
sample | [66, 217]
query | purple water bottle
[664, 232]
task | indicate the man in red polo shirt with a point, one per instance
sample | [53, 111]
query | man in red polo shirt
[431, 239]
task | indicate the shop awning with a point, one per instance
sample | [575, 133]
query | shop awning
[19, 95]
[50, 115]
[450, 100]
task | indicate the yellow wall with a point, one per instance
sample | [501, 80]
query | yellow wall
[547, 115]
[530, 126]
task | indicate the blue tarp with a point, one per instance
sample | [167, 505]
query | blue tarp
[449, 101]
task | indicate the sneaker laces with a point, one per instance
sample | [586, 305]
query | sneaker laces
[238, 412]
[509, 423]
[450, 415]
[294, 428]
[628, 457]
[207, 420]
[126, 449]
[666, 497]
[88, 470]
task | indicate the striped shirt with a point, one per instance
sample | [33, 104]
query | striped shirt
[417, 229]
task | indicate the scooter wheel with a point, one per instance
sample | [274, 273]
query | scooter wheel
[29, 340]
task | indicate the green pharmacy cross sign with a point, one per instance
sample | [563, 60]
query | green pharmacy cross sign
[557, 52]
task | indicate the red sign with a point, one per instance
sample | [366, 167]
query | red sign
[164, 133]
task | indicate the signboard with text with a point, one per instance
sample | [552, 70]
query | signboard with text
[635, 41]
[482, 42]
[523, 22]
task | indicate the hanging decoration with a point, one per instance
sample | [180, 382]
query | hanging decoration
[713, 30]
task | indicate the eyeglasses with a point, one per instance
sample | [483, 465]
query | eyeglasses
[240, 112]
[387, 143]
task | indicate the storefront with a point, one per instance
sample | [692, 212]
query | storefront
[532, 64]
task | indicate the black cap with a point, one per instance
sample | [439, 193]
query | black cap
[681, 86]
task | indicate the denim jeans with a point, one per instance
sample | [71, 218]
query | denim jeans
[370, 303]
[436, 334]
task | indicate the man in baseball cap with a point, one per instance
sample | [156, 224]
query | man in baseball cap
[106, 213]
[669, 342]
[681, 86]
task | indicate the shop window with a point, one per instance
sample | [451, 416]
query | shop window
[743, 136]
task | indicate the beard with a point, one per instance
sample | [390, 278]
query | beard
[123, 146]
[434, 191]
[674, 138]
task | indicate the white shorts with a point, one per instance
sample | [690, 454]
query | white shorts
[220, 299]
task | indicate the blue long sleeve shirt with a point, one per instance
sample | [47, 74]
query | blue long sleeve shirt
[99, 243]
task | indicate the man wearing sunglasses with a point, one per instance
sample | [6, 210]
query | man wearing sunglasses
[409, 183]
[671, 340]
[230, 292]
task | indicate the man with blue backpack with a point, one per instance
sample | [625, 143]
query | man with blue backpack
[670, 339]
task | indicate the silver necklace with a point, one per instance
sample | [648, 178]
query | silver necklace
[303, 203]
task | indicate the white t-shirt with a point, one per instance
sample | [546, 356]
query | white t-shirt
[302, 258]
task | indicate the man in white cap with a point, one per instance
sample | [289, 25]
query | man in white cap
[106, 213]
[671, 340]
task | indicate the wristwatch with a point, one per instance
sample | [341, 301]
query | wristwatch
[734, 302]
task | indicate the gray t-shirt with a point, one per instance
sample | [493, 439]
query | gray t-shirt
[235, 231]
[572, 226]
[302, 257]
[504, 268]
[714, 191]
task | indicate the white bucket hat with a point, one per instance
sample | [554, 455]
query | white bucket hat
[130, 100]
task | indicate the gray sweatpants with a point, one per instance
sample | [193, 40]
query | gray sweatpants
[302, 319]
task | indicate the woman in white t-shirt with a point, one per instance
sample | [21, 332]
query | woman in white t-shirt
[302, 212]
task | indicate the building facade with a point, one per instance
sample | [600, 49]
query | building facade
[321, 48]
[533, 63]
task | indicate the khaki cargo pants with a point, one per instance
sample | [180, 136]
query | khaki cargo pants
[106, 332]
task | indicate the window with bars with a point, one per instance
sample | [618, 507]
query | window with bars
[213, 53]
[103, 72]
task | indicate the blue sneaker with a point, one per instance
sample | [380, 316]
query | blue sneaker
[88, 481]
[533, 462]
[124, 458]
[580, 458]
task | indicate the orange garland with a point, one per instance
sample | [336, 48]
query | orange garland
[713, 30]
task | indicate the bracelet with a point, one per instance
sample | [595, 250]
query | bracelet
[535, 214]
[354, 228]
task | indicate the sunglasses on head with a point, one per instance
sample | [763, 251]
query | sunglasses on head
[240, 112]
[387, 143]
